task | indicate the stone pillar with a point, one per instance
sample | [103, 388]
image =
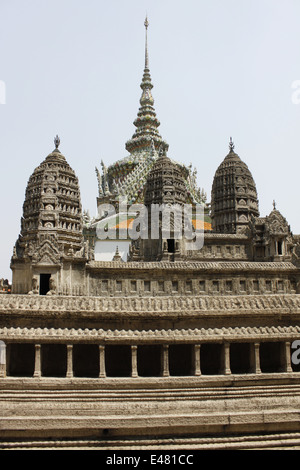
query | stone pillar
[255, 359]
[69, 360]
[197, 363]
[134, 372]
[2, 359]
[226, 359]
[286, 357]
[102, 372]
[37, 361]
[165, 360]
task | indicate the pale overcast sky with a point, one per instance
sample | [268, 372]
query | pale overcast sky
[220, 68]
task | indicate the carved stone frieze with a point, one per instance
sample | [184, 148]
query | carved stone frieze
[198, 265]
[193, 335]
[184, 305]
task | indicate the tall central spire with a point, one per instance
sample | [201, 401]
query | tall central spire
[146, 122]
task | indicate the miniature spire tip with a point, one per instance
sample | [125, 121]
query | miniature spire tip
[57, 141]
[146, 23]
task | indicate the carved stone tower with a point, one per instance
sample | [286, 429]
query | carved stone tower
[233, 197]
[165, 189]
[51, 226]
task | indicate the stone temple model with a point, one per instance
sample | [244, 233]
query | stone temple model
[154, 345]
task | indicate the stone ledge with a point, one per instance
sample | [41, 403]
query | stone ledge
[153, 388]
[157, 424]
[256, 441]
[195, 335]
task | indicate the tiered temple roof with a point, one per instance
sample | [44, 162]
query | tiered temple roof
[127, 176]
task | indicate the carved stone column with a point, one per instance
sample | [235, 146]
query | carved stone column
[165, 360]
[69, 360]
[37, 361]
[226, 359]
[286, 357]
[134, 372]
[102, 372]
[2, 359]
[197, 363]
[255, 359]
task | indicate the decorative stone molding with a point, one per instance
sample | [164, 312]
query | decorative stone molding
[181, 305]
[194, 335]
[185, 265]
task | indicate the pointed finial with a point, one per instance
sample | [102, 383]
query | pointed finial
[146, 23]
[231, 145]
[274, 204]
[57, 141]
[117, 256]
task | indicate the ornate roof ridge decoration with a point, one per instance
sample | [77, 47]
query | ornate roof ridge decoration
[276, 222]
[227, 236]
[184, 306]
[133, 184]
[128, 177]
[219, 265]
[191, 334]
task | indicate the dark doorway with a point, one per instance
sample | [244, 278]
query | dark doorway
[171, 245]
[240, 357]
[180, 359]
[44, 283]
[118, 360]
[21, 359]
[149, 360]
[211, 359]
[54, 360]
[86, 360]
[271, 357]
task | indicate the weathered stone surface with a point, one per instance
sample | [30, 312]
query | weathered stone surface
[174, 342]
